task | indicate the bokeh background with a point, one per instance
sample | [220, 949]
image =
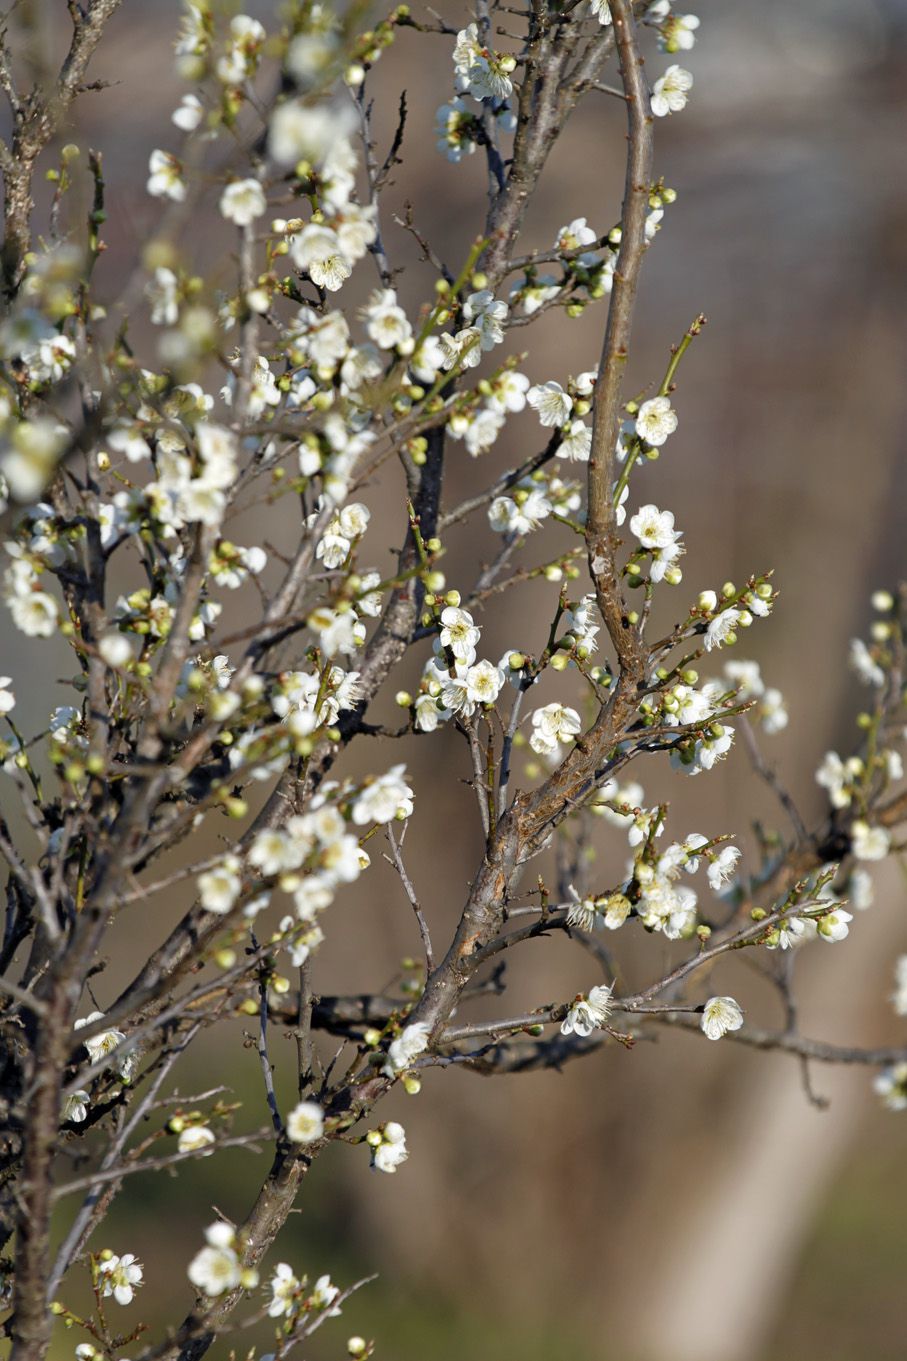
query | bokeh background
[682, 1200]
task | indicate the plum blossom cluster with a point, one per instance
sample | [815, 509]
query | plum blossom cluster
[292, 1296]
[482, 78]
[308, 859]
[198, 524]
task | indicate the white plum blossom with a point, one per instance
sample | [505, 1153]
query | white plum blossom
[550, 402]
[386, 322]
[899, 996]
[455, 129]
[119, 1276]
[75, 1107]
[7, 698]
[242, 202]
[791, 932]
[553, 724]
[860, 889]
[463, 349]
[678, 32]
[217, 1268]
[165, 177]
[388, 1145]
[656, 420]
[162, 292]
[300, 132]
[721, 629]
[869, 843]
[576, 444]
[285, 1288]
[338, 631]
[834, 926]
[188, 113]
[305, 1123]
[324, 1294]
[653, 527]
[459, 633]
[483, 683]
[891, 1086]
[589, 1012]
[722, 867]
[483, 429]
[102, 1044]
[386, 798]
[197, 1139]
[771, 711]
[719, 1015]
[583, 912]
[316, 251]
[27, 465]
[864, 664]
[487, 315]
[219, 887]
[745, 676]
[835, 775]
[573, 236]
[670, 91]
[583, 621]
[509, 391]
[406, 1048]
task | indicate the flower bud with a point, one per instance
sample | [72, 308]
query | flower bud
[403, 699]
[559, 662]
[707, 601]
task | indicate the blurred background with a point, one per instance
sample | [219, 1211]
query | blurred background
[683, 1200]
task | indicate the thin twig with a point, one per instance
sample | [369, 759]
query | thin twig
[413, 900]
